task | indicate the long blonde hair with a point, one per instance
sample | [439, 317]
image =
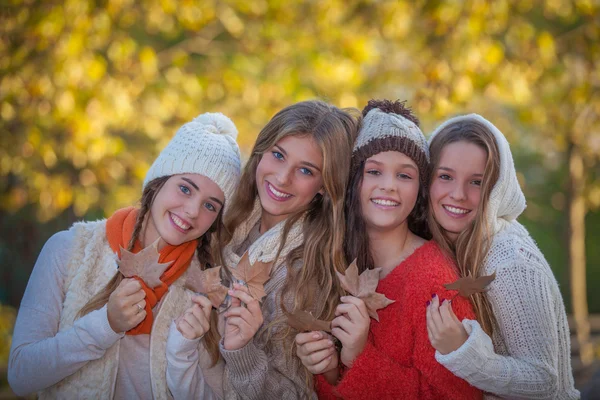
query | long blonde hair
[470, 248]
[321, 254]
[206, 256]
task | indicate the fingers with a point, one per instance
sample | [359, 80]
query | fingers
[204, 303]
[251, 303]
[307, 337]
[129, 286]
[358, 303]
[315, 347]
[435, 313]
[352, 312]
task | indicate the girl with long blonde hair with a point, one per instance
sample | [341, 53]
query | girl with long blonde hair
[519, 345]
[287, 218]
[85, 331]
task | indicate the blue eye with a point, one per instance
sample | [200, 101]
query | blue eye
[277, 155]
[210, 207]
[404, 176]
[476, 182]
[184, 189]
[445, 177]
[373, 172]
[306, 171]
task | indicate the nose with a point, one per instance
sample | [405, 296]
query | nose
[387, 183]
[284, 176]
[191, 208]
[458, 193]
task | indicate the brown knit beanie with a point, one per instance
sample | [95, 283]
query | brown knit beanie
[390, 126]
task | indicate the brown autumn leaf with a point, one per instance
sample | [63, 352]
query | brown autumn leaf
[364, 287]
[208, 283]
[305, 322]
[468, 285]
[143, 264]
[253, 276]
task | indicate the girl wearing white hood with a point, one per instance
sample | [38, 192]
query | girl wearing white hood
[519, 346]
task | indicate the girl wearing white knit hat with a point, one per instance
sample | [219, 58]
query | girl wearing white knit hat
[286, 222]
[519, 345]
[86, 331]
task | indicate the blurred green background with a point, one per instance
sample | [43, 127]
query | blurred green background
[90, 91]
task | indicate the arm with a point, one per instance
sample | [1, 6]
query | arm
[375, 370]
[260, 370]
[184, 373]
[531, 340]
[40, 355]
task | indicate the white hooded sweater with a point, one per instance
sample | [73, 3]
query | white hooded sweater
[528, 356]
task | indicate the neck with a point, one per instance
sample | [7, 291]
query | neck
[267, 221]
[389, 247]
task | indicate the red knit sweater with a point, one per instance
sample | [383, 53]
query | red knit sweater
[398, 361]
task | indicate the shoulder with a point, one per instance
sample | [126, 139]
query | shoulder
[513, 250]
[429, 263]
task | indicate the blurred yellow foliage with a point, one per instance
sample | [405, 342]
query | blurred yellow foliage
[90, 92]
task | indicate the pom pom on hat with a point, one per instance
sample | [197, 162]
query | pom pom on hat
[217, 123]
[205, 146]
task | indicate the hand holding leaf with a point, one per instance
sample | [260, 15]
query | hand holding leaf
[208, 283]
[364, 287]
[143, 264]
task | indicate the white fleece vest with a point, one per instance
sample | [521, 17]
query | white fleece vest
[91, 266]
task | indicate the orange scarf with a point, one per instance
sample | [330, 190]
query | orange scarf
[119, 228]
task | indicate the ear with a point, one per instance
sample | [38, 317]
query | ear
[322, 191]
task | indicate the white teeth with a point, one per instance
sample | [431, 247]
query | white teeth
[179, 222]
[456, 210]
[278, 193]
[388, 203]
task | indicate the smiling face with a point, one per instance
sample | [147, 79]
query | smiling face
[389, 190]
[183, 210]
[288, 177]
[455, 190]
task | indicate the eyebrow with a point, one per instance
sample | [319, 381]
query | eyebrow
[451, 170]
[197, 188]
[282, 151]
[401, 165]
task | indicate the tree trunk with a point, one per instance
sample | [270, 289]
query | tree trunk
[577, 211]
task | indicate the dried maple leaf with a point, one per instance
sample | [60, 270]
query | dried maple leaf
[253, 276]
[143, 264]
[305, 321]
[364, 287]
[208, 283]
[468, 285]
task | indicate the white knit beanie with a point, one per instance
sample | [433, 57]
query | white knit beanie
[386, 129]
[507, 200]
[206, 146]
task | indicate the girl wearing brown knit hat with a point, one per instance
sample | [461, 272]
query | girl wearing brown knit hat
[386, 209]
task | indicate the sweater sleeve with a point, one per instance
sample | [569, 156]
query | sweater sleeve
[527, 315]
[375, 371]
[184, 373]
[267, 370]
[41, 356]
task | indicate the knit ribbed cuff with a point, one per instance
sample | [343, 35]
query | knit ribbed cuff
[468, 358]
[97, 325]
[246, 362]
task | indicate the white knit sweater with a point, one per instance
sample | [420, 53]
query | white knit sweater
[529, 354]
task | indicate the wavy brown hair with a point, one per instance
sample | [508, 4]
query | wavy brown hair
[321, 254]
[207, 258]
[471, 246]
[356, 245]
